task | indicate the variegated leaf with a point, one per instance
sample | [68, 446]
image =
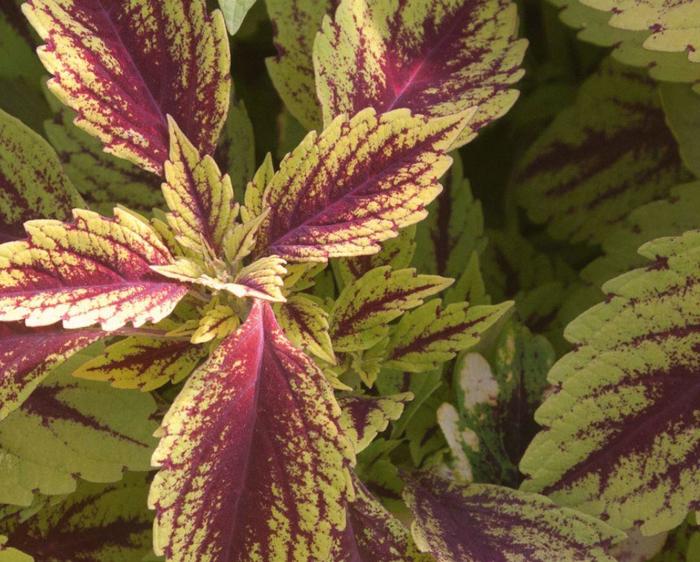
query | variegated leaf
[32, 182]
[661, 36]
[607, 154]
[200, 198]
[27, 356]
[353, 186]
[361, 315]
[144, 363]
[620, 437]
[305, 323]
[428, 58]
[431, 334]
[253, 462]
[70, 428]
[217, 322]
[253, 202]
[364, 417]
[97, 523]
[482, 522]
[123, 68]
[92, 271]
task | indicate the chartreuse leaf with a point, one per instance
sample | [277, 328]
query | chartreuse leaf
[305, 323]
[253, 202]
[491, 425]
[97, 522]
[620, 436]
[217, 321]
[102, 179]
[379, 173]
[430, 335]
[483, 522]
[92, 271]
[200, 198]
[27, 356]
[114, 66]
[361, 315]
[663, 37]
[234, 11]
[257, 420]
[32, 182]
[430, 59]
[70, 428]
[295, 24]
[364, 417]
[601, 158]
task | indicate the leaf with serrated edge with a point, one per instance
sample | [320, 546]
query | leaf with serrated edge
[97, 522]
[342, 192]
[620, 437]
[364, 417]
[430, 59]
[94, 270]
[253, 201]
[258, 420]
[361, 315]
[217, 322]
[305, 323]
[431, 334]
[608, 153]
[32, 182]
[480, 522]
[113, 66]
[71, 428]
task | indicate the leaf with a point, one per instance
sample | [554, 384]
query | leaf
[124, 69]
[253, 464]
[491, 425]
[601, 158]
[70, 428]
[92, 271]
[376, 53]
[682, 108]
[364, 417]
[660, 36]
[98, 522]
[305, 323]
[32, 182]
[253, 206]
[218, 321]
[361, 315]
[295, 24]
[234, 11]
[200, 198]
[27, 356]
[620, 437]
[378, 173]
[482, 522]
[102, 179]
[431, 334]
[236, 151]
[143, 363]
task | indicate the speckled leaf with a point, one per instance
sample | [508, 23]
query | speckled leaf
[491, 425]
[296, 23]
[253, 464]
[102, 179]
[32, 181]
[97, 523]
[70, 428]
[486, 523]
[361, 315]
[607, 154]
[305, 323]
[217, 322]
[661, 36]
[620, 437]
[124, 68]
[200, 198]
[429, 58]
[431, 334]
[253, 202]
[91, 271]
[27, 356]
[364, 417]
[144, 363]
[356, 184]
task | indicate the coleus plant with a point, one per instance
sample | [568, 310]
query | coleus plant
[334, 353]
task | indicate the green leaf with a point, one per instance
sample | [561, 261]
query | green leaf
[234, 13]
